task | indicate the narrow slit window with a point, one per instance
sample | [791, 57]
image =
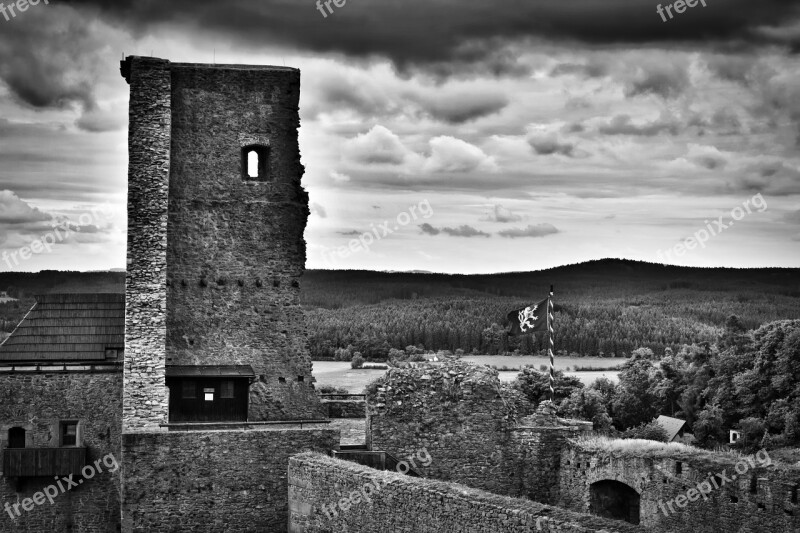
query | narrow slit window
[255, 162]
[252, 164]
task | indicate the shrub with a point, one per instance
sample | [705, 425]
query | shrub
[649, 431]
[332, 389]
[357, 361]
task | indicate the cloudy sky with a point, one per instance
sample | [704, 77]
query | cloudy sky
[471, 136]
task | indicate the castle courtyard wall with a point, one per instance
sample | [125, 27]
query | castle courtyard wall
[217, 480]
[763, 498]
[37, 401]
[403, 503]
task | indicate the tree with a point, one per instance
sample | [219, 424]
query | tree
[634, 403]
[644, 353]
[357, 361]
[708, 429]
[535, 385]
[587, 404]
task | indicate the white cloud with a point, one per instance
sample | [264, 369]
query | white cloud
[449, 154]
[379, 146]
[14, 210]
[339, 177]
[501, 214]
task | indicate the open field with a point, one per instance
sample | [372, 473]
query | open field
[340, 374]
[561, 362]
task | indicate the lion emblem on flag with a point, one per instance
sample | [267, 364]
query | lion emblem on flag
[527, 320]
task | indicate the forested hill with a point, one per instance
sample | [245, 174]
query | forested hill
[607, 307]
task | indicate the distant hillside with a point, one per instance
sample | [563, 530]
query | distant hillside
[607, 307]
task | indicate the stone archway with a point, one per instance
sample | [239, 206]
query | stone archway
[613, 499]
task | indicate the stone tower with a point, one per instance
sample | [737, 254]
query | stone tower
[216, 215]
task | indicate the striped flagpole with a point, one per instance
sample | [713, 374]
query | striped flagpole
[550, 344]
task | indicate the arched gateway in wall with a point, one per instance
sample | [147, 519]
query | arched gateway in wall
[613, 499]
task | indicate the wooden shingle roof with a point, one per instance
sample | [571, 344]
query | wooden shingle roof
[68, 327]
[672, 426]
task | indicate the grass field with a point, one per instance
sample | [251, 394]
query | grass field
[340, 374]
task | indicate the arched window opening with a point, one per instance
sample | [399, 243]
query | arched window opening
[252, 164]
[255, 162]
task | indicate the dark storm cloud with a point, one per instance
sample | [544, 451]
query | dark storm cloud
[548, 145]
[336, 91]
[427, 32]
[774, 178]
[667, 80]
[50, 58]
[590, 70]
[460, 108]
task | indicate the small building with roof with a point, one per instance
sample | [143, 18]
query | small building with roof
[60, 414]
[675, 428]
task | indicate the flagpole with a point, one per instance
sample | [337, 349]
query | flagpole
[550, 344]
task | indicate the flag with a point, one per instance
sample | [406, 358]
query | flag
[529, 319]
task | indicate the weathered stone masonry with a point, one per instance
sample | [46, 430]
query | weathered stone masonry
[415, 504]
[215, 259]
[194, 482]
[145, 399]
[763, 499]
[235, 250]
[473, 428]
[37, 401]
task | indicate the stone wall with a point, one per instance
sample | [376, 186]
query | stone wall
[475, 430]
[344, 408]
[405, 503]
[456, 412]
[762, 498]
[145, 397]
[215, 260]
[198, 481]
[37, 402]
[235, 251]
[538, 442]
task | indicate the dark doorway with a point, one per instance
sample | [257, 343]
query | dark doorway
[208, 399]
[16, 438]
[614, 499]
